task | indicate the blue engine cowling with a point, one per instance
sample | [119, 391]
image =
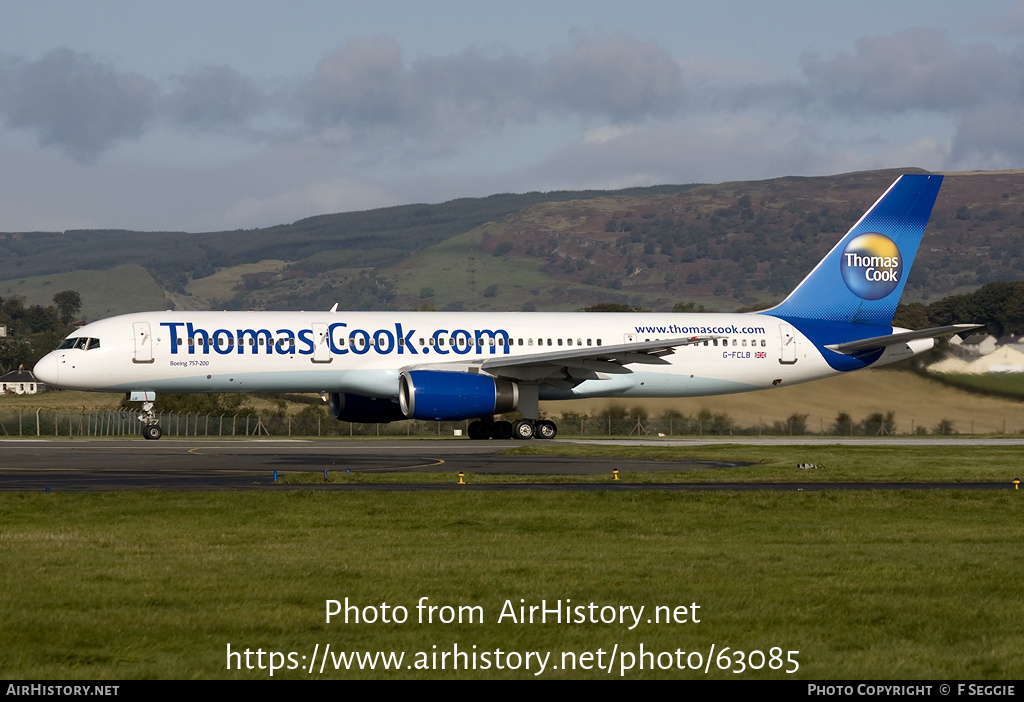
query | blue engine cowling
[347, 407]
[452, 395]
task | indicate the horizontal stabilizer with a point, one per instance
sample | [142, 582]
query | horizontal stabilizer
[879, 342]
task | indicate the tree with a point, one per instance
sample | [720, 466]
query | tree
[69, 304]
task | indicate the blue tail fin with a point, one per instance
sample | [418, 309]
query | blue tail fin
[862, 278]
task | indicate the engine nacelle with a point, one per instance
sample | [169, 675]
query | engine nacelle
[453, 395]
[347, 407]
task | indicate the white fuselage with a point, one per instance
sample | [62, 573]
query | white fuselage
[364, 352]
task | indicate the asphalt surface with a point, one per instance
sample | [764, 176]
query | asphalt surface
[107, 465]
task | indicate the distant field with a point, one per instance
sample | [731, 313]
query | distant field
[1003, 384]
[222, 284]
[456, 269]
[104, 293]
[916, 400]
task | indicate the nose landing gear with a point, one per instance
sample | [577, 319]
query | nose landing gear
[151, 430]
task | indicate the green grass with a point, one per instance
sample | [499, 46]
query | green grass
[119, 290]
[864, 585]
[835, 463]
[1010, 385]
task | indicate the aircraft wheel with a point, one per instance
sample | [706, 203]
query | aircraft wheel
[546, 429]
[523, 429]
[152, 432]
[501, 430]
[478, 430]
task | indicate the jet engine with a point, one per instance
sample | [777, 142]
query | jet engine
[453, 395]
[347, 407]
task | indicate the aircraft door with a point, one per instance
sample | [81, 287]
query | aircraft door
[322, 346]
[788, 351]
[143, 343]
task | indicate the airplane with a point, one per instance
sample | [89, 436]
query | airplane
[389, 366]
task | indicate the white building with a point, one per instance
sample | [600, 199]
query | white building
[20, 382]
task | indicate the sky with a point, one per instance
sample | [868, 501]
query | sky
[207, 115]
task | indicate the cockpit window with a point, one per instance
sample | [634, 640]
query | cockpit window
[80, 342]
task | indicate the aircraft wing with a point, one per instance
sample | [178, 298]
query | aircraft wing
[878, 342]
[570, 367]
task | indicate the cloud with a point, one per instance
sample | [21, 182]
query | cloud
[361, 84]
[213, 97]
[365, 87]
[919, 69]
[991, 136]
[618, 78]
[75, 103]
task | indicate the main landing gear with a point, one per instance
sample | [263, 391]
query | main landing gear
[524, 429]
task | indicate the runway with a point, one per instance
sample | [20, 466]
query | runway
[108, 465]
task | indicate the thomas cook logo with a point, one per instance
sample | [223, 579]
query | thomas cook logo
[871, 266]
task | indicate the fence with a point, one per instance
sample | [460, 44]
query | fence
[26, 422]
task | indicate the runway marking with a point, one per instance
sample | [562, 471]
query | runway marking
[437, 462]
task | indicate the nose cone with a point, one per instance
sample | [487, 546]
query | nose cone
[46, 369]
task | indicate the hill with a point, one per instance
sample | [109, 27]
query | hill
[727, 246]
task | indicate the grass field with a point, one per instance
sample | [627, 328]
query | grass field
[1009, 385]
[116, 291]
[902, 584]
[774, 464]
